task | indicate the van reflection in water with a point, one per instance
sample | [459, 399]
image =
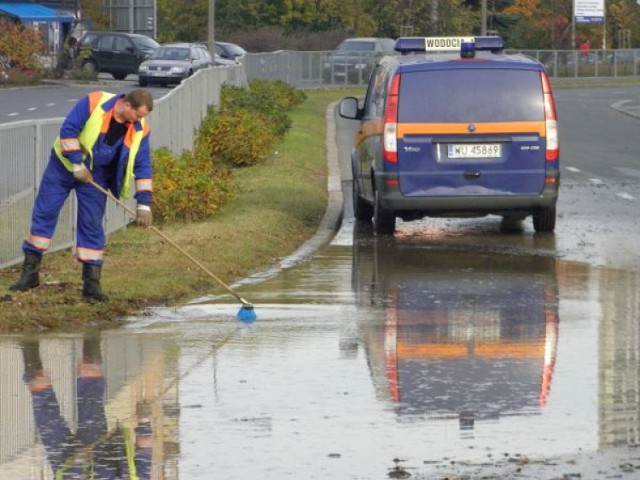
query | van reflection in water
[464, 335]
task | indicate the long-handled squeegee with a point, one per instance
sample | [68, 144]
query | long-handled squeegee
[246, 312]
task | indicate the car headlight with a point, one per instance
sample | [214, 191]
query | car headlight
[143, 68]
[178, 69]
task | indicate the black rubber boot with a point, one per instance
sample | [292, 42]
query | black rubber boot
[29, 277]
[91, 290]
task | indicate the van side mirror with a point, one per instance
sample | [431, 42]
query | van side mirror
[350, 109]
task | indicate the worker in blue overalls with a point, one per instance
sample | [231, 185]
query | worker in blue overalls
[104, 139]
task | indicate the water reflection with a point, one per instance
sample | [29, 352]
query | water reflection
[92, 450]
[465, 335]
[87, 408]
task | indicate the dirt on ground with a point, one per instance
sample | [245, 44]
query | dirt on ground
[616, 463]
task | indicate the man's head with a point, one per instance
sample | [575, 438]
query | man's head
[135, 105]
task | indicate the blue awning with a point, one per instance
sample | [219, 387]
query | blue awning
[32, 12]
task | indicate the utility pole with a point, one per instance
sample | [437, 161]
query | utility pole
[483, 14]
[211, 44]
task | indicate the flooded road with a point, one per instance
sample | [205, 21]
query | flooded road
[454, 346]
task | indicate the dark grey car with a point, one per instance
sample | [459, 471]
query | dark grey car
[171, 63]
[354, 59]
[117, 53]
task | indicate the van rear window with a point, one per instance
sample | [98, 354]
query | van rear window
[471, 95]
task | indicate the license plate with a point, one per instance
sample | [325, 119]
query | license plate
[158, 74]
[474, 150]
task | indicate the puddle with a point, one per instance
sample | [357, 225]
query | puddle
[368, 361]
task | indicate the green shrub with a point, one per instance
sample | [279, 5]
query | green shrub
[237, 139]
[260, 99]
[250, 121]
[283, 94]
[186, 189]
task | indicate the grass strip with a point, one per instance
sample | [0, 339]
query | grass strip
[279, 206]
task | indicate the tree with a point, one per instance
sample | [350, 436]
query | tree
[182, 20]
[94, 11]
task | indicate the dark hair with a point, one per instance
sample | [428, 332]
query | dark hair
[138, 98]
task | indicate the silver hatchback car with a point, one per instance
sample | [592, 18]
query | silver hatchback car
[171, 63]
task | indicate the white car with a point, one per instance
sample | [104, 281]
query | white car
[173, 62]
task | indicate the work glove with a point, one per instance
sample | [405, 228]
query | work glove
[143, 215]
[81, 173]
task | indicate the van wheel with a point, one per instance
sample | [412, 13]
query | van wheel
[119, 75]
[362, 210]
[544, 221]
[384, 221]
[143, 83]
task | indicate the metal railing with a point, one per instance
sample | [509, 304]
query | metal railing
[26, 146]
[319, 69]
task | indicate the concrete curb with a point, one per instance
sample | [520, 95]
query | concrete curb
[335, 202]
[627, 107]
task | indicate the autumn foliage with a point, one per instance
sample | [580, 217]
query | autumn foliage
[21, 48]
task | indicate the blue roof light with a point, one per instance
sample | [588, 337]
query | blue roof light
[468, 50]
[492, 44]
[410, 44]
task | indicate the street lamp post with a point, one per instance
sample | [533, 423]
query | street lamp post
[211, 44]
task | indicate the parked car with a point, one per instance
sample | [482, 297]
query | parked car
[117, 53]
[228, 53]
[465, 133]
[173, 62]
[354, 59]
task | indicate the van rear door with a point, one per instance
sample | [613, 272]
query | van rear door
[468, 130]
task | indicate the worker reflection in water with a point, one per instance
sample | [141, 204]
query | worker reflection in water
[91, 452]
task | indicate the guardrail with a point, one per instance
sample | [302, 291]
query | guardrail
[26, 146]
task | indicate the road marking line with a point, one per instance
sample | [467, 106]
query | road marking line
[573, 169]
[31, 109]
[51, 104]
[626, 196]
[596, 181]
[13, 114]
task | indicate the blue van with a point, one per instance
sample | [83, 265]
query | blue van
[454, 127]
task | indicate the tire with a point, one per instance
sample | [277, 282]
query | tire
[119, 75]
[90, 67]
[143, 83]
[384, 221]
[544, 221]
[362, 211]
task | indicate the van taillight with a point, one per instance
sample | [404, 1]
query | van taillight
[551, 120]
[389, 136]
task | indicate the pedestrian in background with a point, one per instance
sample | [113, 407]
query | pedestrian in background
[105, 139]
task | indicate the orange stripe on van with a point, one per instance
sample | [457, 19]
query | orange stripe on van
[503, 349]
[462, 128]
[407, 351]
[511, 350]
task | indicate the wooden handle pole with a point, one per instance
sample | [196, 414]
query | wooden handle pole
[173, 244]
